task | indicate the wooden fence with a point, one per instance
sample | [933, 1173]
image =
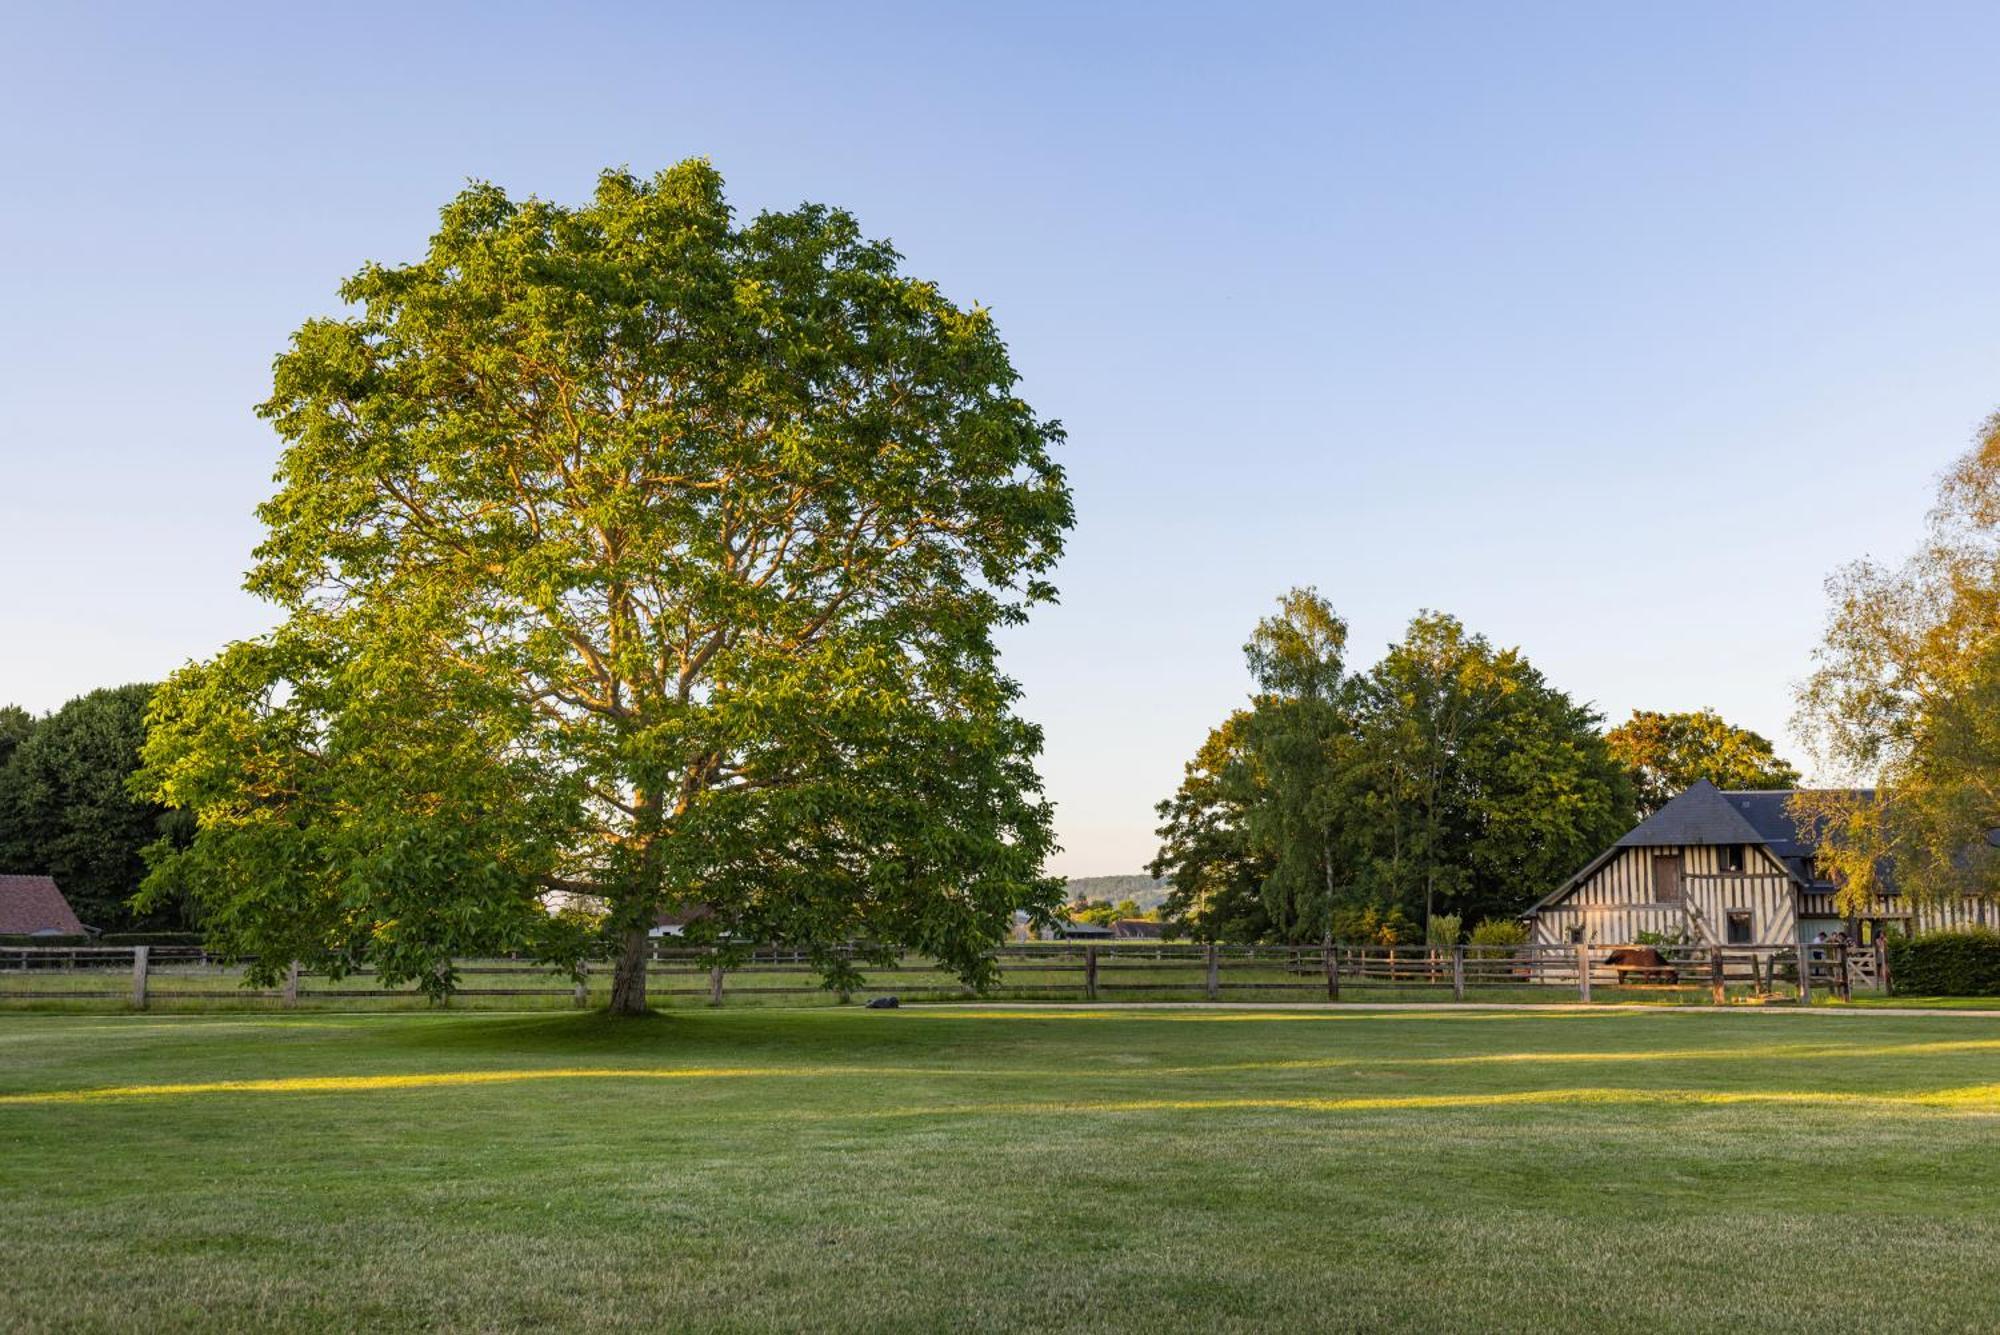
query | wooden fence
[142, 976]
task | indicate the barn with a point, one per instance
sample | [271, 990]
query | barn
[1719, 868]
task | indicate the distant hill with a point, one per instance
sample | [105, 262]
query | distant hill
[1144, 891]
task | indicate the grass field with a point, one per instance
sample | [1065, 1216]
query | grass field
[934, 1168]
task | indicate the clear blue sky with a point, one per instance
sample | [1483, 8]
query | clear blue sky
[1609, 328]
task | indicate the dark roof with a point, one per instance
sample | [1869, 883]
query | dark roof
[1768, 811]
[1075, 928]
[1701, 815]
[1136, 927]
[30, 904]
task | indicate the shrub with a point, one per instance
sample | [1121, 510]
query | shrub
[1500, 932]
[1372, 927]
[1443, 929]
[1962, 963]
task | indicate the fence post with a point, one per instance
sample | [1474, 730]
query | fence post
[1805, 973]
[1458, 973]
[1845, 983]
[1090, 973]
[1717, 991]
[1214, 974]
[715, 985]
[139, 956]
[292, 985]
[1582, 971]
[1332, 972]
[583, 985]
[1882, 963]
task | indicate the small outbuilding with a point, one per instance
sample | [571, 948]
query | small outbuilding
[1136, 929]
[1070, 929]
[33, 906]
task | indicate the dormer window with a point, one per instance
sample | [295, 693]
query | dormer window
[1729, 857]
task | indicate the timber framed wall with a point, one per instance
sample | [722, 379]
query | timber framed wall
[1618, 901]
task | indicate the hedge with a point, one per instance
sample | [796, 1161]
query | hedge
[107, 939]
[1947, 964]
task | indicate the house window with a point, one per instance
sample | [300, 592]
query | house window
[1809, 869]
[1729, 857]
[1576, 935]
[1739, 927]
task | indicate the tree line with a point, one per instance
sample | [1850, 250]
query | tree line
[1446, 784]
[66, 809]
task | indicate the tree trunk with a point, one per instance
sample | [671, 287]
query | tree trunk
[628, 978]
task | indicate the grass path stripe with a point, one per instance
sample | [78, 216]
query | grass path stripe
[1974, 1095]
[1968, 1098]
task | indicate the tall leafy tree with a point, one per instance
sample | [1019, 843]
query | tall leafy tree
[65, 810]
[15, 725]
[1905, 697]
[1667, 753]
[635, 553]
[1218, 873]
[1298, 733]
[1490, 784]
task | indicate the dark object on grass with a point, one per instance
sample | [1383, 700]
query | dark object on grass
[884, 1004]
[1641, 964]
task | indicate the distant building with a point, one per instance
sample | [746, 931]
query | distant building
[1136, 929]
[677, 922]
[1072, 930]
[33, 906]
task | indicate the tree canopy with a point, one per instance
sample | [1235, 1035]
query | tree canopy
[1905, 698]
[65, 810]
[640, 555]
[1449, 780]
[1667, 753]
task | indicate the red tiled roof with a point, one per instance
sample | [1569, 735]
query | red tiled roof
[33, 904]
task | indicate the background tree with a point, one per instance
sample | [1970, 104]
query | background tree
[1218, 874]
[15, 725]
[65, 810]
[633, 553]
[1667, 753]
[1299, 734]
[1489, 784]
[1905, 696]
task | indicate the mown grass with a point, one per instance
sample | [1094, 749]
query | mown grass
[934, 1169]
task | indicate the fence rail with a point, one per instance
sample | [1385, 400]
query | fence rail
[142, 976]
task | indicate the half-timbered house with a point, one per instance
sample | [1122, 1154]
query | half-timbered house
[1720, 868]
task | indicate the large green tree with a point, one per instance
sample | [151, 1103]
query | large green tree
[1667, 753]
[1206, 849]
[1905, 698]
[65, 810]
[1487, 783]
[642, 555]
[15, 725]
[1300, 733]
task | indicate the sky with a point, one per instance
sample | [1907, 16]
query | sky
[1610, 329]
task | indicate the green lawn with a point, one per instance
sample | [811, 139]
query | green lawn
[932, 1169]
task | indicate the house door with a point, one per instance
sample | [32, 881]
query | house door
[1666, 878]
